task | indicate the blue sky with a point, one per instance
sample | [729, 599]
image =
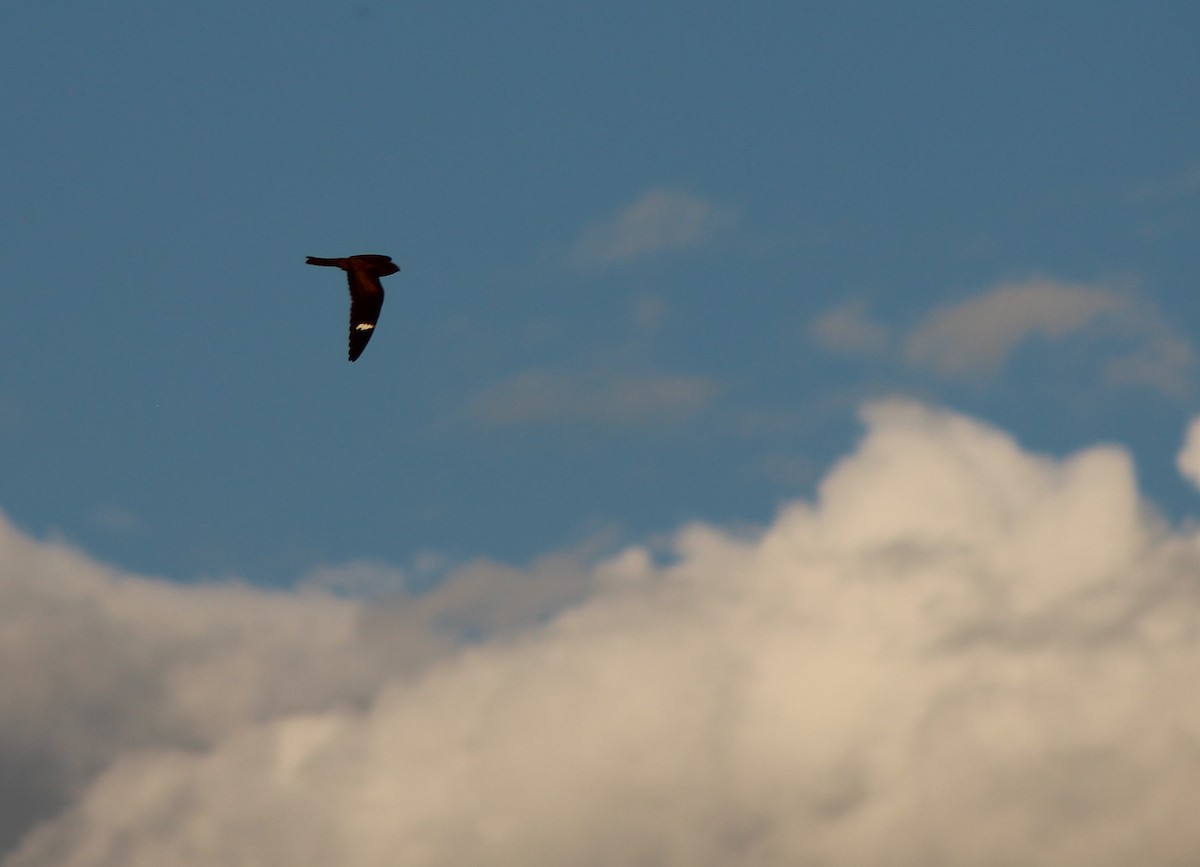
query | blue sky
[762, 457]
[174, 383]
[173, 390]
[174, 395]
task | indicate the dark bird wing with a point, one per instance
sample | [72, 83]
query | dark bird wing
[366, 300]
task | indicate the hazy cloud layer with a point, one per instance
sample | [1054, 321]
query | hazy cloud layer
[979, 334]
[659, 220]
[537, 396]
[961, 653]
[975, 338]
[1184, 184]
[847, 329]
[1163, 361]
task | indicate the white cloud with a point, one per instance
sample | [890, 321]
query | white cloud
[848, 330]
[95, 665]
[659, 220]
[1188, 459]
[978, 335]
[1133, 344]
[537, 396]
[961, 653]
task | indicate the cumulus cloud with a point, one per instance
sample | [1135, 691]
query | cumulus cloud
[93, 664]
[959, 653]
[659, 220]
[537, 396]
[96, 666]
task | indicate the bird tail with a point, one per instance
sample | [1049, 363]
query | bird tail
[317, 260]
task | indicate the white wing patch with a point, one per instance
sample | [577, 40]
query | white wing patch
[364, 326]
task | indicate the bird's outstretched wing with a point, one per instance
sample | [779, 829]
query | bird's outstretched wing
[366, 294]
[366, 300]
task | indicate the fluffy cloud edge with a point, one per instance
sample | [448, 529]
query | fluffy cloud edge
[1188, 459]
[959, 652]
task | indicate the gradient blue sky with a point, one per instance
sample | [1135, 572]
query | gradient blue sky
[654, 256]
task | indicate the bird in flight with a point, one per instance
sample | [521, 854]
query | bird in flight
[366, 294]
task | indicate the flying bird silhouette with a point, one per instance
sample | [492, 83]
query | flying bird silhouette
[366, 293]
